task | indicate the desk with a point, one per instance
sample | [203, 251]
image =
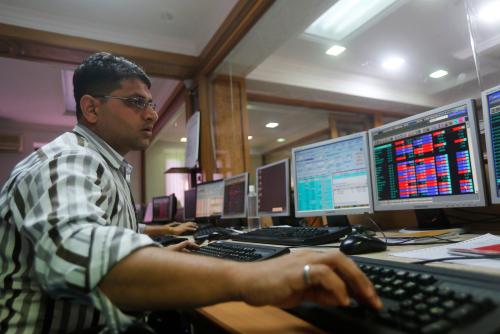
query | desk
[238, 317]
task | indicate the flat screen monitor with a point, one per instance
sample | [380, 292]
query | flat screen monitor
[209, 199]
[235, 196]
[491, 116]
[164, 208]
[190, 204]
[273, 189]
[332, 177]
[430, 160]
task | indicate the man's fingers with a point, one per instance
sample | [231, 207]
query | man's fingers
[334, 290]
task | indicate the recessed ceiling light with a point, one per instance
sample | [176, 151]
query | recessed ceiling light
[346, 16]
[438, 74]
[183, 140]
[393, 63]
[250, 137]
[272, 125]
[280, 140]
[335, 50]
[489, 12]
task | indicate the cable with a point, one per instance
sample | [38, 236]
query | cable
[378, 227]
[470, 257]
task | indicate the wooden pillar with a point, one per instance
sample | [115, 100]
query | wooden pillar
[231, 125]
[334, 132]
[207, 157]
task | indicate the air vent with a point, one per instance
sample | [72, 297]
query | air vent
[11, 142]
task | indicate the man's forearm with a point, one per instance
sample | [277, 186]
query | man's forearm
[154, 278]
[156, 230]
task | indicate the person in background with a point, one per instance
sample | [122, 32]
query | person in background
[71, 253]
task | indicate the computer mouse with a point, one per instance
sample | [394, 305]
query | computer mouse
[361, 244]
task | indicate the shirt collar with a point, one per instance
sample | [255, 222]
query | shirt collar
[114, 158]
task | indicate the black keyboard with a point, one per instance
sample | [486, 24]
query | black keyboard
[240, 251]
[166, 240]
[204, 233]
[294, 236]
[417, 299]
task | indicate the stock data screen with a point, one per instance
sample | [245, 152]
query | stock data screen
[427, 157]
[332, 176]
[494, 113]
[235, 196]
[209, 198]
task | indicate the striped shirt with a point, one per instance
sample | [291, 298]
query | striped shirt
[66, 217]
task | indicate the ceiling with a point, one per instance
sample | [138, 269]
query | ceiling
[177, 26]
[276, 58]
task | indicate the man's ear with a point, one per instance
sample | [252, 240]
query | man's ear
[90, 107]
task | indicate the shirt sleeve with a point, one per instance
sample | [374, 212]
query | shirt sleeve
[67, 212]
[142, 227]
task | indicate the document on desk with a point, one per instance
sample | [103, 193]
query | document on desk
[443, 251]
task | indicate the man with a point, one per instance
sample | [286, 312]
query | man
[72, 257]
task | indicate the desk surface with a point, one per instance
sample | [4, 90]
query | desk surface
[239, 317]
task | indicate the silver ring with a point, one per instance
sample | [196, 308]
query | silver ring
[305, 274]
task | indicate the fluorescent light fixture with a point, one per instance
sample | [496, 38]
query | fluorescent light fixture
[438, 74]
[489, 12]
[393, 63]
[183, 140]
[272, 125]
[335, 50]
[345, 17]
[250, 137]
[280, 140]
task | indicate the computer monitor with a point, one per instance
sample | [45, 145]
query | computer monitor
[209, 198]
[164, 208]
[491, 117]
[235, 197]
[430, 160]
[273, 189]
[332, 177]
[190, 204]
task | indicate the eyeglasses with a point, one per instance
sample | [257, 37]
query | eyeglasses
[136, 102]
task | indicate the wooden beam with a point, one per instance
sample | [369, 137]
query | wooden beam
[174, 101]
[32, 44]
[256, 97]
[240, 20]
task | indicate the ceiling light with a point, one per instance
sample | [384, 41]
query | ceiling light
[183, 140]
[280, 140]
[346, 16]
[335, 50]
[393, 63]
[272, 125]
[438, 74]
[489, 12]
[250, 137]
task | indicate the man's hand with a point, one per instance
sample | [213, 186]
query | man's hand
[178, 229]
[182, 246]
[331, 279]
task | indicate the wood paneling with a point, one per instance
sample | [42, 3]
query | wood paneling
[255, 97]
[26, 43]
[231, 125]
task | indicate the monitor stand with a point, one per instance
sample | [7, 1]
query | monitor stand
[432, 219]
[334, 221]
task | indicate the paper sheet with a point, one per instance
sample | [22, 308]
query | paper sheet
[442, 251]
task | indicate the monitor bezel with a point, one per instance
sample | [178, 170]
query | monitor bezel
[334, 212]
[170, 208]
[195, 193]
[203, 184]
[452, 203]
[244, 213]
[494, 197]
[287, 185]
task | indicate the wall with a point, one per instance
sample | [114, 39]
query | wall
[156, 156]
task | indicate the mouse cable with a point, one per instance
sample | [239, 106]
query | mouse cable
[469, 257]
[378, 227]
